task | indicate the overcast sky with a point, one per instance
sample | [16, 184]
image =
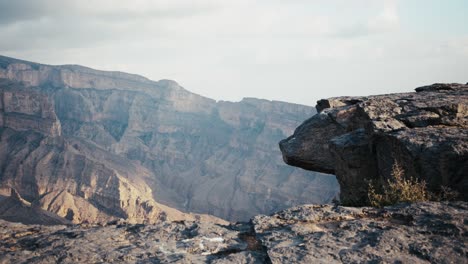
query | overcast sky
[289, 50]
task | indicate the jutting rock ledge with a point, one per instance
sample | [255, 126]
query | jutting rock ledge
[360, 138]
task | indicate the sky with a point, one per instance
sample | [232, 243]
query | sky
[289, 50]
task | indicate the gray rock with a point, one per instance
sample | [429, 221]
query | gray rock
[416, 233]
[360, 138]
[174, 242]
[431, 232]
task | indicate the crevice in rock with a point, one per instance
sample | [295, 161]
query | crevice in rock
[254, 243]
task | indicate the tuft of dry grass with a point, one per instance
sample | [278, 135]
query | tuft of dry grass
[399, 189]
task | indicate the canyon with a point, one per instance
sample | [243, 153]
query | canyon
[111, 167]
[91, 145]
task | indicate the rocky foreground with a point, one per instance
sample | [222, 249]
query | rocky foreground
[417, 233]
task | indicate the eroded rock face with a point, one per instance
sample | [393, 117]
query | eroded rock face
[77, 181]
[25, 109]
[15, 209]
[360, 138]
[416, 233]
[189, 152]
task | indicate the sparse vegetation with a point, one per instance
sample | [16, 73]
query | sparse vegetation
[399, 189]
[402, 189]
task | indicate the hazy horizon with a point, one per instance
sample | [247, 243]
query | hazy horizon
[296, 51]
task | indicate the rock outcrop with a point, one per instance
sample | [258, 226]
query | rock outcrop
[360, 138]
[105, 143]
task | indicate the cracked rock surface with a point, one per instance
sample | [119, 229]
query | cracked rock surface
[416, 233]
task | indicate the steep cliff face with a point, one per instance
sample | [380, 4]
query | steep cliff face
[360, 138]
[25, 109]
[189, 152]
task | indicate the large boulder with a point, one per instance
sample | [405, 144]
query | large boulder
[360, 138]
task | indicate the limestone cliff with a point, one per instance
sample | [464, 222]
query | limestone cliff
[360, 138]
[92, 139]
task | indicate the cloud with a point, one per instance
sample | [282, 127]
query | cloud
[383, 19]
[388, 19]
[24, 10]
[295, 50]
[57, 23]
[20, 10]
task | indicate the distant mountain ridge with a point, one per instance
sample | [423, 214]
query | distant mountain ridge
[92, 144]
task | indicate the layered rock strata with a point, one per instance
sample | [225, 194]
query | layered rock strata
[77, 181]
[360, 138]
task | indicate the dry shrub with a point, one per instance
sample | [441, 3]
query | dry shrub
[399, 189]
